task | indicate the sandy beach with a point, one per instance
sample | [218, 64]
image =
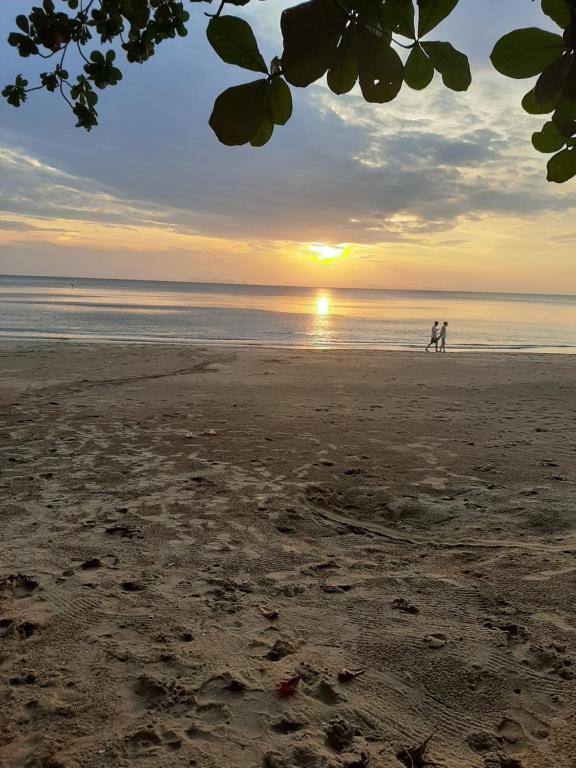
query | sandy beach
[200, 547]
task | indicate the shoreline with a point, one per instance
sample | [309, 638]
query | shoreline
[256, 345]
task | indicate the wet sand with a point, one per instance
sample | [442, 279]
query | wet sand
[184, 529]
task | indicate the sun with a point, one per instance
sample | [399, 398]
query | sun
[328, 252]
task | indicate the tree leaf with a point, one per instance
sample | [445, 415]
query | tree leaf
[452, 65]
[380, 69]
[280, 101]
[233, 40]
[240, 111]
[569, 84]
[564, 117]
[558, 11]
[526, 52]
[432, 12]
[550, 83]
[263, 134]
[311, 32]
[418, 70]
[534, 107]
[562, 166]
[23, 23]
[343, 71]
[549, 139]
[397, 16]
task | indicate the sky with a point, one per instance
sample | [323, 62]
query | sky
[437, 190]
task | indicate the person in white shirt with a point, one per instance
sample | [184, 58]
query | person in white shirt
[433, 337]
[442, 337]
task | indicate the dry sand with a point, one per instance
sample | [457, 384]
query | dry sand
[409, 515]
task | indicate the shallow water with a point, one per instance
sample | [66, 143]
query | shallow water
[150, 311]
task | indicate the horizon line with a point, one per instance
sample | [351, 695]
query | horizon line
[281, 285]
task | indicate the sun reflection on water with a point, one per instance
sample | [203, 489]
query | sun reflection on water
[322, 305]
[320, 330]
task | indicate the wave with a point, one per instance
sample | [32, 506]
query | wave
[95, 338]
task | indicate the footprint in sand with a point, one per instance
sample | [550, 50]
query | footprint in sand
[151, 693]
[512, 732]
[147, 741]
[21, 585]
[122, 532]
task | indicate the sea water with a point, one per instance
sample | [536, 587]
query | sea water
[86, 309]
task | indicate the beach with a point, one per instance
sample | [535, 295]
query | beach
[202, 546]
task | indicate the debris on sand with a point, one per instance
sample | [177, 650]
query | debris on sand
[346, 675]
[279, 650]
[436, 640]
[339, 733]
[269, 613]
[415, 757]
[289, 686]
[401, 604]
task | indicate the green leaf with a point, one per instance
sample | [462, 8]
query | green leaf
[569, 84]
[311, 32]
[239, 112]
[343, 72]
[280, 101]
[23, 23]
[564, 117]
[549, 84]
[91, 98]
[549, 139]
[418, 70]
[380, 69]
[397, 16]
[452, 65]
[562, 166]
[432, 12]
[26, 46]
[14, 94]
[233, 40]
[526, 52]
[534, 107]
[263, 134]
[558, 11]
[15, 39]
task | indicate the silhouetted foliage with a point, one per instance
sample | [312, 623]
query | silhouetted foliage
[350, 41]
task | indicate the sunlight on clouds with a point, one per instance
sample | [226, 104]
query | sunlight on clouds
[445, 234]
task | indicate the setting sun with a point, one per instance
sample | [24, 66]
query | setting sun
[327, 252]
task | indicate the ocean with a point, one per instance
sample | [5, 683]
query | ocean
[139, 311]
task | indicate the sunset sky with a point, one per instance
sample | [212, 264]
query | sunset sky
[435, 191]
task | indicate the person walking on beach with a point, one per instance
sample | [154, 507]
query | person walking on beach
[433, 337]
[442, 337]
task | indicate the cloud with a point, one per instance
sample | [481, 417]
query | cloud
[12, 225]
[33, 187]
